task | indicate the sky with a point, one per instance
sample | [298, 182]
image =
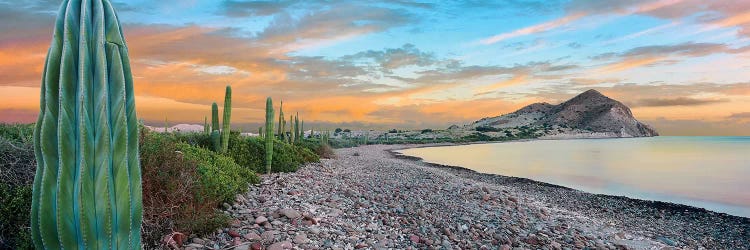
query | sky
[683, 66]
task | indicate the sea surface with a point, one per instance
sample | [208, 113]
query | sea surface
[706, 172]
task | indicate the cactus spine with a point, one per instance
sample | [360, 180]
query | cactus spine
[87, 186]
[225, 130]
[269, 134]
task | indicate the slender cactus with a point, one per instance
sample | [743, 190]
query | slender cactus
[225, 130]
[260, 132]
[302, 128]
[87, 186]
[214, 117]
[296, 129]
[282, 136]
[281, 121]
[269, 134]
[206, 128]
[291, 131]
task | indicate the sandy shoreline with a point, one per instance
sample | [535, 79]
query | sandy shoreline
[371, 198]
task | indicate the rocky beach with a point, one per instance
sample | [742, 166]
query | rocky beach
[372, 198]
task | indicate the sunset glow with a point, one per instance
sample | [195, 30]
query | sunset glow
[681, 65]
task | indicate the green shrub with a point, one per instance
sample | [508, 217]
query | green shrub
[249, 152]
[183, 185]
[220, 176]
[14, 217]
[17, 168]
[195, 139]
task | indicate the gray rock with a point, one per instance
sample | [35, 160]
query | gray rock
[290, 213]
[260, 220]
[301, 238]
[280, 245]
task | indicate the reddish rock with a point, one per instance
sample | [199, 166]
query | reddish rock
[252, 237]
[234, 234]
[256, 246]
[414, 238]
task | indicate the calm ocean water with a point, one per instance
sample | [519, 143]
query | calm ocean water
[707, 172]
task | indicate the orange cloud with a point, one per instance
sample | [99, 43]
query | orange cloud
[742, 18]
[515, 80]
[539, 28]
[627, 64]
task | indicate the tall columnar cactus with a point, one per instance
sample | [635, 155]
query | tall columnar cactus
[269, 134]
[296, 129]
[260, 132]
[206, 128]
[283, 136]
[225, 130]
[214, 117]
[166, 124]
[87, 186]
[291, 129]
[302, 128]
[281, 121]
[215, 140]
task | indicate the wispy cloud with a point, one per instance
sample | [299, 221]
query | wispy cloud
[539, 28]
[677, 101]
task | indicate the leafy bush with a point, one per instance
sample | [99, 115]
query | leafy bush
[220, 176]
[196, 139]
[17, 167]
[183, 185]
[250, 153]
[14, 217]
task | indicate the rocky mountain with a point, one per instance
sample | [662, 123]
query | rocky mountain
[589, 114]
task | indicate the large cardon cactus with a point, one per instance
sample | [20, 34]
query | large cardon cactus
[269, 134]
[87, 187]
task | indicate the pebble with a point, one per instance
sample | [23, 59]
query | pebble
[260, 220]
[280, 245]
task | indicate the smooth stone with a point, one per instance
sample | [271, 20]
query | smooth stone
[261, 220]
[280, 245]
[290, 213]
[253, 237]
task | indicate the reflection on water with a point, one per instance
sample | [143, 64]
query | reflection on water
[708, 172]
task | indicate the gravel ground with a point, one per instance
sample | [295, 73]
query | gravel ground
[370, 198]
